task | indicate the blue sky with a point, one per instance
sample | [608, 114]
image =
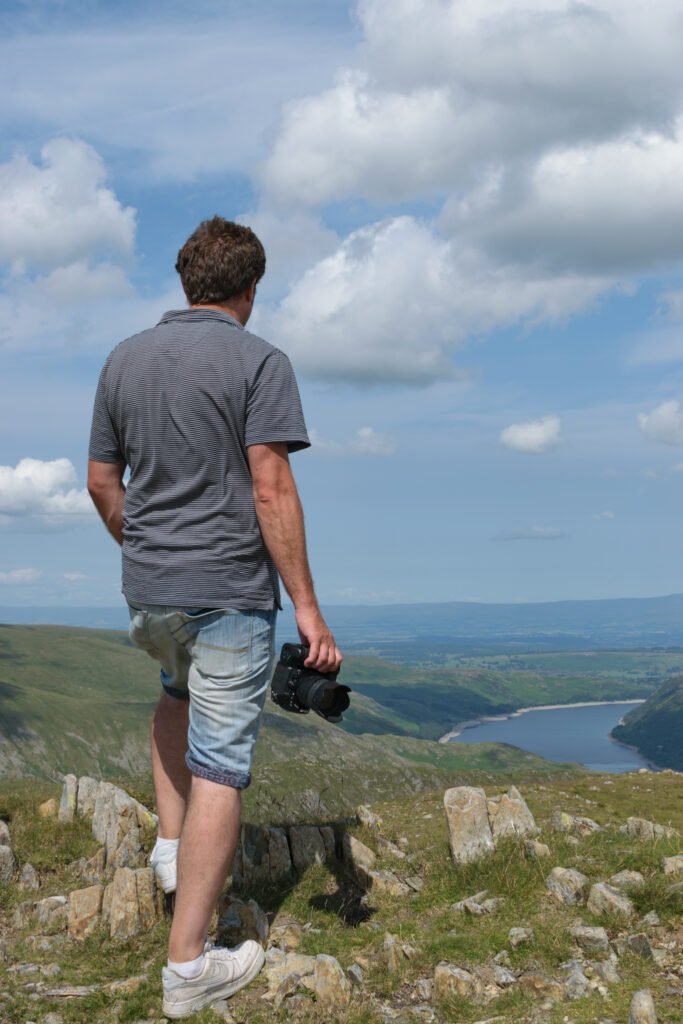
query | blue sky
[473, 215]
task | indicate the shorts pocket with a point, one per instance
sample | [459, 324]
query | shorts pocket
[222, 645]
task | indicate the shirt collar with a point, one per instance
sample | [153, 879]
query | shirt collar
[200, 313]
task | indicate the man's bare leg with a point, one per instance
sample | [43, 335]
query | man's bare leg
[172, 777]
[207, 847]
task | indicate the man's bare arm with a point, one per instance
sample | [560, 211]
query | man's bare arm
[105, 486]
[281, 520]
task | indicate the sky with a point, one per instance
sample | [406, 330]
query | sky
[473, 216]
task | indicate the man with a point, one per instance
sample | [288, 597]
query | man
[204, 415]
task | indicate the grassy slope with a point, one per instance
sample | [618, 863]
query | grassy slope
[81, 701]
[656, 727]
[323, 898]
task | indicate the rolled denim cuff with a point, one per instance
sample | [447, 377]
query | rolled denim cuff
[237, 780]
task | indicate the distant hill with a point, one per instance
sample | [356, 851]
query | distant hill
[656, 727]
[435, 630]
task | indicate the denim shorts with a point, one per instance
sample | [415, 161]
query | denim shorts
[221, 660]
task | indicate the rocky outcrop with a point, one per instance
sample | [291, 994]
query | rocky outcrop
[641, 828]
[476, 823]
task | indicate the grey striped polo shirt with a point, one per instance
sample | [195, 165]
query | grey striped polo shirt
[180, 404]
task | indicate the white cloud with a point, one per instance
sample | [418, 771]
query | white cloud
[60, 212]
[18, 576]
[606, 515]
[365, 441]
[293, 241]
[664, 423]
[395, 301]
[43, 491]
[74, 577]
[534, 533]
[532, 437]
[442, 89]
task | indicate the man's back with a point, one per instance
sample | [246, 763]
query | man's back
[180, 403]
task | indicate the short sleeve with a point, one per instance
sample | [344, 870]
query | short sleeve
[104, 440]
[274, 410]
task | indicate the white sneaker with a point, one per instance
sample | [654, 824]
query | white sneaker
[225, 972]
[165, 864]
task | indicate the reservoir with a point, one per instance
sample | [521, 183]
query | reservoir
[569, 733]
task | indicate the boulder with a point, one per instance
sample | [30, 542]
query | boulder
[593, 940]
[605, 899]
[641, 828]
[329, 984]
[85, 906]
[535, 850]
[627, 880]
[451, 982]
[8, 865]
[239, 920]
[638, 944]
[286, 933]
[540, 986]
[577, 984]
[642, 1009]
[29, 879]
[86, 796]
[509, 815]
[567, 885]
[307, 845]
[279, 856]
[387, 882]
[52, 913]
[5, 839]
[146, 889]
[673, 865]
[124, 910]
[115, 826]
[67, 804]
[521, 937]
[49, 809]
[469, 829]
[359, 857]
[279, 966]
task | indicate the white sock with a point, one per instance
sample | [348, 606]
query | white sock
[189, 969]
[166, 845]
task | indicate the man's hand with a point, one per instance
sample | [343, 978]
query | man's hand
[324, 654]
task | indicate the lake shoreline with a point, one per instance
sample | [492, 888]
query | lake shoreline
[471, 723]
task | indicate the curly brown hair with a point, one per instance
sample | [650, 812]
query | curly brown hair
[219, 261]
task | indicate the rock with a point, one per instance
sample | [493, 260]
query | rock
[386, 882]
[279, 966]
[393, 953]
[562, 822]
[503, 976]
[414, 882]
[451, 981]
[673, 865]
[627, 880]
[359, 857]
[355, 975]
[521, 937]
[390, 849]
[330, 985]
[567, 885]
[577, 984]
[239, 920]
[127, 986]
[424, 988]
[115, 825]
[651, 920]
[640, 945]
[471, 904]
[52, 1018]
[67, 805]
[49, 809]
[307, 846]
[368, 818]
[92, 869]
[286, 933]
[503, 958]
[469, 830]
[605, 899]
[279, 856]
[539, 986]
[642, 1009]
[8, 865]
[85, 906]
[86, 794]
[124, 911]
[5, 839]
[593, 940]
[28, 879]
[509, 815]
[71, 991]
[606, 970]
[640, 828]
[535, 850]
[52, 912]
[146, 888]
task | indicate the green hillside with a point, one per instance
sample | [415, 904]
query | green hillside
[656, 727]
[81, 701]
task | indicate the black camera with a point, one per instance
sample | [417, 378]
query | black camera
[300, 689]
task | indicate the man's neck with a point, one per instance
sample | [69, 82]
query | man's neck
[230, 310]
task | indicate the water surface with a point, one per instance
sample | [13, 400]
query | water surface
[564, 734]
